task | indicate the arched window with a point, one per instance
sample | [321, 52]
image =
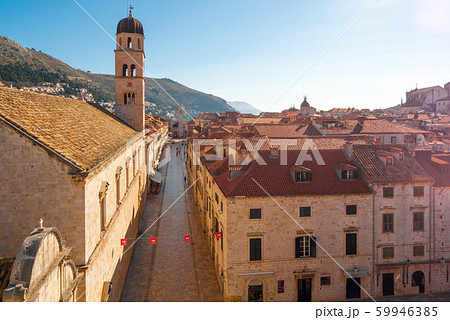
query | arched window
[125, 70]
[124, 98]
[132, 99]
[129, 45]
[133, 70]
[127, 171]
[120, 42]
[129, 99]
[139, 43]
[134, 164]
[118, 174]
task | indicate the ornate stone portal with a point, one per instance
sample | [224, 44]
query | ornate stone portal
[41, 270]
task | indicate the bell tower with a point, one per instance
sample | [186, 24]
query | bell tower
[130, 75]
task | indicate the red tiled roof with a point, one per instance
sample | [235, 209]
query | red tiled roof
[277, 179]
[384, 126]
[408, 170]
[431, 166]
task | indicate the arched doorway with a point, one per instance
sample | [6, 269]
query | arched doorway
[418, 279]
[255, 291]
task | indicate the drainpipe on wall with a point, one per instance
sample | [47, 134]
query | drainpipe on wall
[429, 237]
[373, 239]
[434, 224]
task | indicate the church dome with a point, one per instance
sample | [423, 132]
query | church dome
[305, 103]
[130, 25]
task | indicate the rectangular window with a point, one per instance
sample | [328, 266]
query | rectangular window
[351, 210]
[418, 251]
[303, 176]
[418, 191]
[221, 206]
[388, 252]
[349, 174]
[255, 213]
[325, 281]
[255, 249]
[388, 222]
[388, 192]
[217, 199]
[418, 222]
[103, 214]
[305, 211]
[393, 139]
[305, 246]
[351, 243]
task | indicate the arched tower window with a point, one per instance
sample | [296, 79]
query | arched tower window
[129, 98]
[132, 99]
[120, 43]
[139, 43]
[129, 45]
[133, 70]
[125, 70]
[124, 98]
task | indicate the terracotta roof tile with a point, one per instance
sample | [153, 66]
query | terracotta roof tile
[408, 170]
[277, 179]
[76, 130]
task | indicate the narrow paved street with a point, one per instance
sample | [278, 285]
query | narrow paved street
[171, 270]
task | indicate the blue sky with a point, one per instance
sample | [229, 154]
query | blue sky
[253, 51]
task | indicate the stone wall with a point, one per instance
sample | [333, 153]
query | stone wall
[35, 184]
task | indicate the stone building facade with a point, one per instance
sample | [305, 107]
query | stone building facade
[81, 169]
[396, 216]
[41, 271]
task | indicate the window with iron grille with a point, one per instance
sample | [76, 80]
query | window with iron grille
[305, 211]
[305, 246]
[351, 246]
[418, 222]
[255, 249]
[388, 252]
[325, 281]
[388, 192]
[255, 213]
[418, 191]
[388, 222]
[351, 210]
[418, 251]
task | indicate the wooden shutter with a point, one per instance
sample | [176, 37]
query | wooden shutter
[312, 247]
[297, 247]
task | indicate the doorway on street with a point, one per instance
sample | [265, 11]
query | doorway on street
[388, 284]
[255, 291]
[353, 288]
[418, 280]
[304, 290]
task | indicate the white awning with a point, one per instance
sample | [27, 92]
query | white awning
[156, 177]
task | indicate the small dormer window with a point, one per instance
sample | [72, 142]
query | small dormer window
[273, 153]
[349, 174]
[401, 157]
[300, 173]
[389, 161]
[302, 176]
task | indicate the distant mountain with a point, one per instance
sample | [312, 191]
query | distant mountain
[20, 66]
[244, 107]
[394, 108]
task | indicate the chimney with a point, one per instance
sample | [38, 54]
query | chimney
[361, 120]
[348, 150]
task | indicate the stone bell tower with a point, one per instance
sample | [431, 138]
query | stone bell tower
[130, 76]
[180, 121]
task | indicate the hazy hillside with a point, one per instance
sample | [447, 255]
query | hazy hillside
[244, 107]
[21, 66]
